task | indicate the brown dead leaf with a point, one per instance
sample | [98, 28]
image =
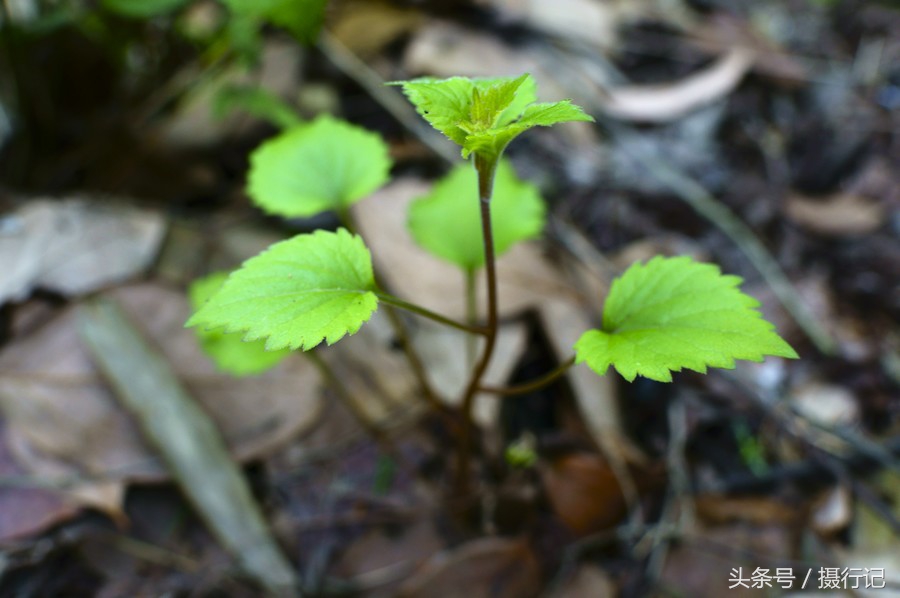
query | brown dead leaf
[484, 568]
[377, 377]
[380, 557]
[443, 49]
[588, 21]
[443, 352]
[701, 564]
[24, 508]
[716, 509]
[840, 215]
[381, 382]
[668, 102]
[668, 244]
[74, 246]
[366, 26]
[587, 582]
[584, 492]
[56, 404]
[827, 405]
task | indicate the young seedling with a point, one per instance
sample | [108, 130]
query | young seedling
[660, 317]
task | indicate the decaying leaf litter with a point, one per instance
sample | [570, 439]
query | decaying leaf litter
[761, 138]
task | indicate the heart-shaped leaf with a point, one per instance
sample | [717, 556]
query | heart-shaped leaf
[327, 164]
[447, 222]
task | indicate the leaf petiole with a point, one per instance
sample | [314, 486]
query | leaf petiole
[536, 384]
[427, 313]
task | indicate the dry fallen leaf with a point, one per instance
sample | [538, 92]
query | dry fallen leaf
[718, 509]
[827, 405]
[379, 556]
[26, 507]
[443, 49]
[583, 492]
[588, 581]
[74, 246]
[702, 563]
[484, 568]
[671, 101]
[588, 21]
[443, 352]
[380, 381]
[840, 215]
[366, 27]
[56, 404]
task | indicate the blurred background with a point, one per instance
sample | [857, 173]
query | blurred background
[762, 136]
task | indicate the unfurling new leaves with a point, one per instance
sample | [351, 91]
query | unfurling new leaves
[447, 221]
[674, 313]
[484, 115]
[298, 293]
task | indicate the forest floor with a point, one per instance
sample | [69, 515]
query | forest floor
[763, 137]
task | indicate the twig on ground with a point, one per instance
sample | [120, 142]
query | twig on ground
[188, 441]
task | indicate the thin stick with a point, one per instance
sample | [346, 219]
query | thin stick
[189, 442]
[536, 384]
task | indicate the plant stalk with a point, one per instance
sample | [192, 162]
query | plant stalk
[486, 168]
[471, 317]
[536, 384]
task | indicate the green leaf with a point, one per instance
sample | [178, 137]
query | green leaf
[490, 100]
[447, 222]
[228, 351]
[297, 293]
[326, 165]
[445, 104]
[674, 313]
[143, 9]
[550, 113]
[303, 18]
[485, 115]
[257, 101]
[526, 93]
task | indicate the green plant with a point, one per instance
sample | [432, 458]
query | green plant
[663, 316]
